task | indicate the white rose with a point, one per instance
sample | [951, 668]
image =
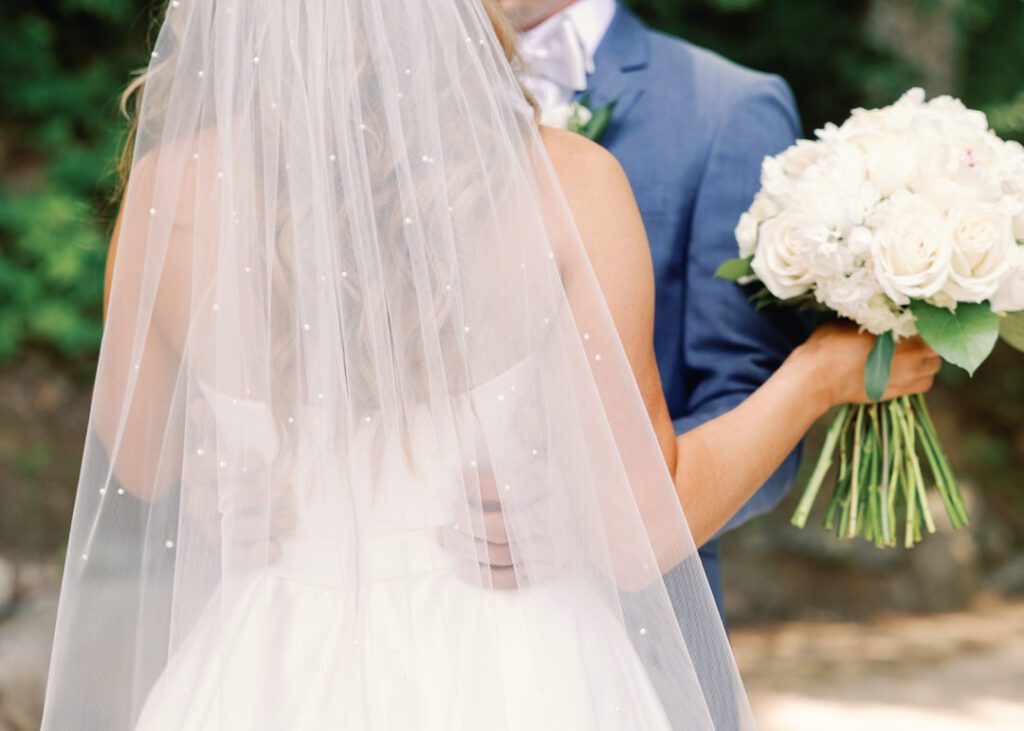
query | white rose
[779, 261]
[984, 251]
[760, 211]
[563, 115]
[912, 248]
[1010, 295]
[746, 234]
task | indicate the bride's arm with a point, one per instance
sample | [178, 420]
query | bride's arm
[718, 466]
[142, 356]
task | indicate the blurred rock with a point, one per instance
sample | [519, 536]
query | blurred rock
[25, 641]
[1008, 578]
[35, 577]
[945, 565]
[773, 571]
[7, 588]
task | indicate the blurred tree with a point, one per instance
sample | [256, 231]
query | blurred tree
[835, 60]
[62, 62]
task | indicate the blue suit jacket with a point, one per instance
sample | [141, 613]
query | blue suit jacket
[691, 130]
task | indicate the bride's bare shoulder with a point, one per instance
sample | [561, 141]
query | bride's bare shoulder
[597, 190]
[581, 164]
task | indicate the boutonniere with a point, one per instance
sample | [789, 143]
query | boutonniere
[578, 117]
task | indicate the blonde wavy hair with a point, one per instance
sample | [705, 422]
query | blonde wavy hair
[132, 95]
[382, 170]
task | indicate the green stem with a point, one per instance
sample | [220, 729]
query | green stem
[940, 482]
[907, 473]
[851, 529]
[916, 497]
[884, 489]
[897, 468]
[821, 469]
[947, 471]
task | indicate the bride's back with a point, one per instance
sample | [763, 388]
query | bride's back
[345, 243]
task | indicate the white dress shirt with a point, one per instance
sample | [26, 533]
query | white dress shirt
[558, 54]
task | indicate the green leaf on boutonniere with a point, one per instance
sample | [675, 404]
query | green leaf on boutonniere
[735, 269]
[876, 370]
[1011, 329]
[598, 125]
[964, 336]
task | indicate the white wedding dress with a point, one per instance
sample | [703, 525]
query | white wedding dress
[341, 232]
[398, 641]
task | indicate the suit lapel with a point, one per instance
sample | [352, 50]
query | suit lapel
[623, 53]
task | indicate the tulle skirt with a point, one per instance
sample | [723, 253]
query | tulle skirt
[423, 650]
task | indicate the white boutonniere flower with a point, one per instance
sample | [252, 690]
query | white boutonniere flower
[578, 117]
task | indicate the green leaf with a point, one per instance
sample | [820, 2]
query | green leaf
[598, 125]
[964, 337]
[876, 370]
[735, 269]
[1011, 329]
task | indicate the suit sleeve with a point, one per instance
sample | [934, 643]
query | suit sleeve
[730, 348]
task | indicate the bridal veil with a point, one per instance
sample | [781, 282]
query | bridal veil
[351, 322]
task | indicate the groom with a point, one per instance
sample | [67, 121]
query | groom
[691, 129]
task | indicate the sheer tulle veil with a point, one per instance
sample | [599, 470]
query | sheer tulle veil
[350, 313]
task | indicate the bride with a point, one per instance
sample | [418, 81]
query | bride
[378, 439]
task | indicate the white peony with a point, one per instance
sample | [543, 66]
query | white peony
[834, 190]
[891, 160]
[983, 251]
[859, 241]
[879, 315]
[775, 183]
[858, 297]
[912, 248]
[959, 165]
[779, 261]
[798, 158]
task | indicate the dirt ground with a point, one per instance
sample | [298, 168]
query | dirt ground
[951, 672]
[948, 672]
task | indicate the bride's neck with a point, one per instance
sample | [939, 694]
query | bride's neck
[549, 13]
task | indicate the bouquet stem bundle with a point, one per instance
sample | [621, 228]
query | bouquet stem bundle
[880, 489]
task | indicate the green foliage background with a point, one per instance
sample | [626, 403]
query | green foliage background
[63, 64]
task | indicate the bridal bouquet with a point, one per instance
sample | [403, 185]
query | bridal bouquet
[907, 220]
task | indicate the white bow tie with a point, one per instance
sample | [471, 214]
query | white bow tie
[556, 62]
